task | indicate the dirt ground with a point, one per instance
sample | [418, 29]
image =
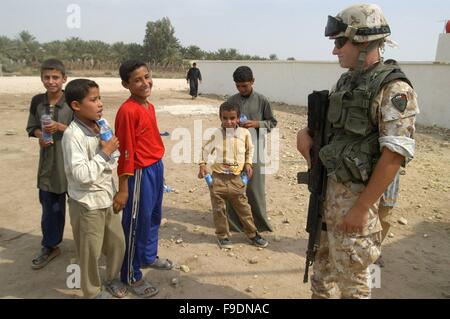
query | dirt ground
[417, 254]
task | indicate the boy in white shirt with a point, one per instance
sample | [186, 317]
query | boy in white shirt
[89, 166]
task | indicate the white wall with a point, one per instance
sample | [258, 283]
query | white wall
[443, 49]
[291, 82]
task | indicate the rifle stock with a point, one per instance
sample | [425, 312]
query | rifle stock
[316, 177]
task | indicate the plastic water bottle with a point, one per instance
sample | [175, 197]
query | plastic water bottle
[101, 122]
[46, 119]
[106, 132]
[209, 180]
[244, 178]
[243, 119]
[167, 189]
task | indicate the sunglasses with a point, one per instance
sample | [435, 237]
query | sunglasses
[340, 42]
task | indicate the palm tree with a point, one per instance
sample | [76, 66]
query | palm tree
[75, 47]
[29, 49]
[55, 49]
[119, 52]
[99, 52]
[192, 52]
[8, 49]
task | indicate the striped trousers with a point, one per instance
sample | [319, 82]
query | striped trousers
[141, 220]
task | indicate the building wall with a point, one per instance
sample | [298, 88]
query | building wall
[443, 49]
[291, 82]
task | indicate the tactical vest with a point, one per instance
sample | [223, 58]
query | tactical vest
[353, 148]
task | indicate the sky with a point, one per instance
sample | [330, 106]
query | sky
[287, 28]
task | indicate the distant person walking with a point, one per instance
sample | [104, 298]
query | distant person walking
[193, 76]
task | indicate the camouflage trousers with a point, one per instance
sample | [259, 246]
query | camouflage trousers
[342, 261]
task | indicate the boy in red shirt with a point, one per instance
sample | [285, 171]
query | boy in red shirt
[141, 178]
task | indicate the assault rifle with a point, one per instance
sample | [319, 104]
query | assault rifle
[316, 177]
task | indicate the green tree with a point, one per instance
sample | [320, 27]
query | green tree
[135, 51]
[55, 49]
[8, 48]
[119, 52]
[29, 49]
[97, 52]
[192, 52]
[75, 48]
[160, 43]
[273, 57]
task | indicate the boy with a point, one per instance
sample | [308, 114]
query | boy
[257, 109]
[141, 178]
[233, 149]
[89, 167]
[51, 180]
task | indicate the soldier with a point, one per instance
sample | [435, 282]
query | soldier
[370, 127]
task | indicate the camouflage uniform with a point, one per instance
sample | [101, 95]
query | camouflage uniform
[386, 206]
[387, 203]
[343, 259]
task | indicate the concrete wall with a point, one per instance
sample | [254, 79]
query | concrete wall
[291, 82]
[443, 49]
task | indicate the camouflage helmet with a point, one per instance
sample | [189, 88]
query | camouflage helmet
[359, 23]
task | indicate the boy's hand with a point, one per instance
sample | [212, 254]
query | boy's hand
[110, 146]
[52, 128]
[249, 170]
[202, 172]
[55, 127]
[119, 201]
[42, 143]
[251, 124]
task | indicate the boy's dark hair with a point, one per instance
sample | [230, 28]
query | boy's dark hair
[77, 90]
[53, 64]
[194, 64]
[243, 74]
[228, 107]
[127, 67]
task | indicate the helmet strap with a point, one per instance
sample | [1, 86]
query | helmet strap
[363, 50]
[350, 32]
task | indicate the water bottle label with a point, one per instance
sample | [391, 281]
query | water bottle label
[208, 179]
[244, 178]
[106, 136]
[46, 119]
[101, 122]
[47, 137]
